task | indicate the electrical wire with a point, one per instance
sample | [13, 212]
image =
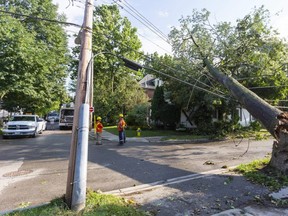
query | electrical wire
[164, 65]
[194, 86]
[154, 43]
[43, 19]
[173, 77]
[277, 100]
[180, 80]
[175, 70]
[143, 22]
[145, 19]
[138, 14]
[264, 87]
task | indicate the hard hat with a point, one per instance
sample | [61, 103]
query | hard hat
[98, 118]
[121, 115]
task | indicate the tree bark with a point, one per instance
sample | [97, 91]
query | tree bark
[257, 107]
[279, 159]
[273, 119]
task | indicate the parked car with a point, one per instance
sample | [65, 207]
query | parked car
[42, 124]
[22, 125]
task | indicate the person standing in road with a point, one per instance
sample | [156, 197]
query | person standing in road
[121, 129]
[99, 130]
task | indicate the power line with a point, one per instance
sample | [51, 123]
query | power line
[252, 77]
[180, 80]
[264, 87]
[149, 58]
[66, 23]
[143, 22]
[145, 19]
[43, 19]
[175, 70]
[138, 14]
[278, 100]
[154, 43]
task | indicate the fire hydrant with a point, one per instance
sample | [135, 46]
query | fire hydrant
[139, 132]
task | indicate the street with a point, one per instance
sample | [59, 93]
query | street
[34, 170]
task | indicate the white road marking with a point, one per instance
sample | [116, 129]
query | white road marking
[157, 184]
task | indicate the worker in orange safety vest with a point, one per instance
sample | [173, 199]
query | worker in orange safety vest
[121, 129]
[99, 130]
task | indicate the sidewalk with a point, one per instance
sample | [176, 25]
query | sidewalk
[112, 137]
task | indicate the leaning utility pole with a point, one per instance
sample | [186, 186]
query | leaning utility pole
[76, 147]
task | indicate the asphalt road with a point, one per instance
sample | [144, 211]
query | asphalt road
[34, 170]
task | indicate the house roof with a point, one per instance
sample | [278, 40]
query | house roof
[148, 82]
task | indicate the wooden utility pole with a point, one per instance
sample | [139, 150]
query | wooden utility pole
[85, 57]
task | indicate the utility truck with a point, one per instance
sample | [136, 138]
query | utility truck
[66, 116]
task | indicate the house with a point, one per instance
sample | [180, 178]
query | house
[245, 118]
[149, 84]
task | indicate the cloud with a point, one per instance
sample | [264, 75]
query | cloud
[163, 13]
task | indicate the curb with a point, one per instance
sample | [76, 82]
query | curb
[23, 209]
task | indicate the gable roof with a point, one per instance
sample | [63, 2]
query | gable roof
[148, 82]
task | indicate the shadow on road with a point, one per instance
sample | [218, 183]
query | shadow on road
[112, 167]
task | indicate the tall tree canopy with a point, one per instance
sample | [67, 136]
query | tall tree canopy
[33, 57]
[115, 87]
[250, 51]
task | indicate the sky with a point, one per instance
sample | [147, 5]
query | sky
[165, 14]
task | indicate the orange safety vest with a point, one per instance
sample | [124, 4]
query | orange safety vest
[99, 127]
[121, 124]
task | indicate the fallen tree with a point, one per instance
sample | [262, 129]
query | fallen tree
[273, 119]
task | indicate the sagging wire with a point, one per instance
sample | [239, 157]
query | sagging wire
[193, 91]
[173, 69]
[242, 137]
[139, 19]
[69, 4]
[144, 18]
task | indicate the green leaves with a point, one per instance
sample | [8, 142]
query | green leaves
[116, 89]
[33, 57]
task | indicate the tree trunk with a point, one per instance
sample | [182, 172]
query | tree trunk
[279, 158]
[271, 118]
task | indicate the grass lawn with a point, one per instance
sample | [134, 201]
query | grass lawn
[259, 172]
[168, 134]
[96, 204]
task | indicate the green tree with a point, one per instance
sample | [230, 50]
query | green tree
[33, 57]
[197, 105]
[163, 113]
[116, 87]
[250, 51]
[138, 115]
[158, 102]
